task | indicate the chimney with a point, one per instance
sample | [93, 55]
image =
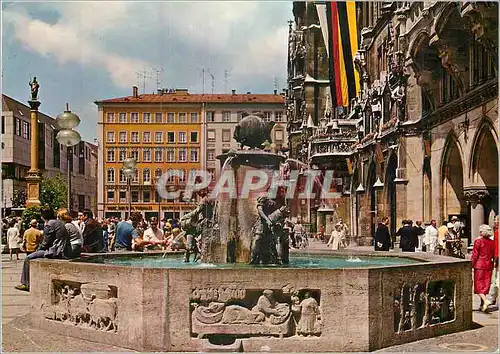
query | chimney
[135, 91]
[275, 92]
[248, 92]
[233, 92]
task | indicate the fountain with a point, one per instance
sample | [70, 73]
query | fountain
[246, 293]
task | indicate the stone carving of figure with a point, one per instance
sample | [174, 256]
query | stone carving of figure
[34, 89]
[280, 239]
[328, 105]
[276, 312]
[263, 244]
[309, 323]
[210, 314]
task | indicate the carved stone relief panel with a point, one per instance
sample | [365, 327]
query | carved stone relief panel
[240, 312]
[90, 305]
[424, 304]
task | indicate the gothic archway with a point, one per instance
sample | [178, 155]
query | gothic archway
[390, 176]
[452, 180]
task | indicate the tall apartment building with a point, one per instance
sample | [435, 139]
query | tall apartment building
[171, 129]
[223, 111]
[52, 157]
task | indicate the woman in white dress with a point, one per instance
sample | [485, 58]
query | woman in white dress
[13, 239]
[336, 238]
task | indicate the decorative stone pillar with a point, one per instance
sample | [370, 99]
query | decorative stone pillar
[476, 198]
[34, 177]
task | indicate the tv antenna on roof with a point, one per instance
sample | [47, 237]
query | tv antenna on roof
[142, 75]
[276, 84]
[226, 76]
[158, 77]
[213, 82]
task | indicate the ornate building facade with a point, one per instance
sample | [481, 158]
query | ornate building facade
[426, 118]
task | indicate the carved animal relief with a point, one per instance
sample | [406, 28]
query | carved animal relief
[90, 305]
[249, 312]
[420, 305]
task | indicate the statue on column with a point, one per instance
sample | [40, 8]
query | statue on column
[34, 89]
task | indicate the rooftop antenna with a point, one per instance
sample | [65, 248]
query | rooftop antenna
[213, 82]
[276, 84]
[158, 78]
[226, 76]
[142, 75]
[203, 71]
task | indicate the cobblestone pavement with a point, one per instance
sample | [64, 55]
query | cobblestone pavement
[18, 336]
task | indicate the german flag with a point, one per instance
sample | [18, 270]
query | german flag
[342, 46]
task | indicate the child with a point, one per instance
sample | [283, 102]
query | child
[13, 238]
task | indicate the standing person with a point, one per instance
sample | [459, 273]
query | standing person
[343, 231]
[126, 231]
[419, 231]
[105, 235]
[31, 238]
[443, 235]
[154, 234]
[298, 230]
[111, 234]
[457, 227]
[494, 278]
[13, 239]
[335, 238]
[382, 239]
[408, 237]
[92, 233]
[483, 253]
[75, 236]
[55, 244]
[431, 237]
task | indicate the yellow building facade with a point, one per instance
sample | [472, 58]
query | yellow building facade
[161, 131]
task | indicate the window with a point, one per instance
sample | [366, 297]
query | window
[146, 175]
[170, 117]
[123, 117]
[146, 196]
[278, 116]
[146, 155]
[135, 178]
[211, 155]
[194, 155]
[18, 126]
[183, 176]
[183, 155]
[146, 118]
[111, 196]
[111, 175]
[239, 115]
[123, 137]
[3, 125]
[170, 155]
[170, 137]
[135, 196]
[123, 196]
[135, 154]
[158, 117]
[25, 130]
[122, 155]
[158, 137]
[182, 117]
[110, 117]
[182, 137]
[211, 172]
[267, 116]
[111, 155]
[134, 117]
[194, 117]
[226, 116]
[146, 137]
[194, 137]
[158, 173]
[134, 137]
[110, 137]
[210, 116]
[211, 135]
[226, 135]
[158, 154]
[278, 135]
[123, 178]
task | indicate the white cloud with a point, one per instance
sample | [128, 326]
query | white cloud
[249, 38]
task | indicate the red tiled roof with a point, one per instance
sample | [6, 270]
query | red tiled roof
[198, 98]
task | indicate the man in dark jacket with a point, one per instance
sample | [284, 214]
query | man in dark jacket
[55, 244]
[382, 236]
[408, 237]
[92, 233]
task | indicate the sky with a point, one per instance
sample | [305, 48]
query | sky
[81, 52]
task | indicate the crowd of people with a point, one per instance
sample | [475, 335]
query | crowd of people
[443, 240]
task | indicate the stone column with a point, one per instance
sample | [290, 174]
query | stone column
[33, 178]
[476, 199]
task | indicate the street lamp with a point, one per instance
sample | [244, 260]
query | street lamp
[129, 171]
[68, 137]
[158, 196]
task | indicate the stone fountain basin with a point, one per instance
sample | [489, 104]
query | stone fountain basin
[151, 309]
